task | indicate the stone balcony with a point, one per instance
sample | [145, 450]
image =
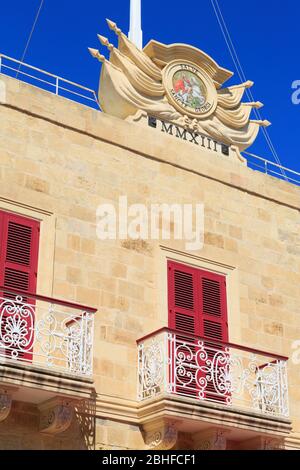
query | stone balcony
[225, 395]
[46, 355]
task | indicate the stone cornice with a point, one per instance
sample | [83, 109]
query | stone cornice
[175, 408]
[117, 409]
[293, 442]
[24, 375]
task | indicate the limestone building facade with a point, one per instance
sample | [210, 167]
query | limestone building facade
[126, 343]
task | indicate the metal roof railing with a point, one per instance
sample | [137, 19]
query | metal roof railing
[273, 169]
[83, 95]
[47, 81]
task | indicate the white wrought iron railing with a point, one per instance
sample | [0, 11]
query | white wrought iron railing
[47, 81]
[205, 370]
[46, 332]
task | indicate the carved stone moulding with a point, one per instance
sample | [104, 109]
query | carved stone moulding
[262, 443]
[56, 415]
[175, 82]
[211, 439]
[160, 434]
[5, 403]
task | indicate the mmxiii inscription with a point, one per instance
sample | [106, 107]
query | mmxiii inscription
[189, 136]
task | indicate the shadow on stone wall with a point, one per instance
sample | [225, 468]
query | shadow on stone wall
[20, 430]
[85, 414]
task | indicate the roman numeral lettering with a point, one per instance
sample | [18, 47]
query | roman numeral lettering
[168, 130]
[181, 133]
[189, 136]
[193, 139]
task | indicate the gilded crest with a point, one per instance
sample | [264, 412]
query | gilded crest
[189, 89]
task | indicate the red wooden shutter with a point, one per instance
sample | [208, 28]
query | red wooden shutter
[197, 307]
[214, 325]
[183, 299]
[213, 306]
[184, 318]
[18, 269]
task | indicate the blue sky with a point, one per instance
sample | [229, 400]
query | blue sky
[266, 35]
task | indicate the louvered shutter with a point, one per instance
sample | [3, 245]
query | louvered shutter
[197, 306]
[213, 306]
[184, 318]
[18, 270]
[213, 313]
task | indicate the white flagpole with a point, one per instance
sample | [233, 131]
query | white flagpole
[135, 31]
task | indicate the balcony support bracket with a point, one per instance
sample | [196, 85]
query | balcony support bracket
[5, 403]
[56, 415]
[160, 434]
[262, 443]
[211, 439]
